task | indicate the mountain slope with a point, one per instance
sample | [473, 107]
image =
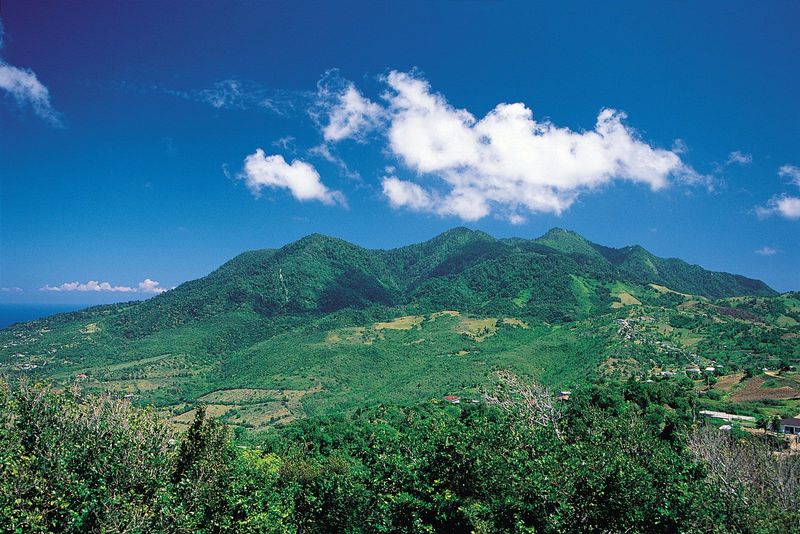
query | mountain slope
[461, 268]
[321, 325]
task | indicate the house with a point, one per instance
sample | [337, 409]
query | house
[81, 376]
[727, 416]
[564, 395]
[452, 399]
[666, 374]
[790, 425]
[693, 370]
[709, 369]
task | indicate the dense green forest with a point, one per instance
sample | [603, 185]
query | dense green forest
[618, 457]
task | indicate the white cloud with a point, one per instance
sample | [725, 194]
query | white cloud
[10, 289]
[299, 177]
[767, 251]
[91, 285]
[784, 205]
[740, 158]
[507, 160]
[404, 194]
[515, 218]
[351, 116]
[341, 111]
[791, 172]
[26, 89]
[145, 286]
[465, 203]
[150, 286]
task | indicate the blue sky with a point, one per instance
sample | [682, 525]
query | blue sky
[130, 132]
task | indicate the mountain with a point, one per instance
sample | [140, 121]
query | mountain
[464, 269]
[322, 325]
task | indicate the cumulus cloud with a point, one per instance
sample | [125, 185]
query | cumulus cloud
[351, 116]
[508, 160]
[791, 172]
[402, 193]
[145, 286]
[91, 285]
[26, 89]
[767, 251]
[341, 111]
[150, 286]
[300, 178]
[505, 162]
[783, 205]
[739, 158]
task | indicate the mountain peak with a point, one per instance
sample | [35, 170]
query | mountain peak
[567, 241]
[460, 234]
[557, 230]
[463, 231]
[318, 240]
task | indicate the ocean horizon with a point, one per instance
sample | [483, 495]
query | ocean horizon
[19, 313]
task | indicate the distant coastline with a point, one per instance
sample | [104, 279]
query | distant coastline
[17, 313]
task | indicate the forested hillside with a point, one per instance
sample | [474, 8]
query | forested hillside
[622, 457]
[322, 326]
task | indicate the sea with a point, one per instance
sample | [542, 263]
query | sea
[17, 313]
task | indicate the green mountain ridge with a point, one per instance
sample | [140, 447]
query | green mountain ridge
[320, 274]
[323, 326]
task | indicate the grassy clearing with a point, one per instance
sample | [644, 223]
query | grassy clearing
[262, 416]
[665, 289]
[252, 408]
[522, 298]
[582, 293]
[477, 329]
[443, 313]
[347, 335]
[625, 299]
[213, 410]
[690, 341]
[401, 323]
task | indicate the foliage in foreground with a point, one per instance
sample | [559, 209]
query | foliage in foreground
[615, 460]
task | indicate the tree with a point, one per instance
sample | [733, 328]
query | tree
[529, 401]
